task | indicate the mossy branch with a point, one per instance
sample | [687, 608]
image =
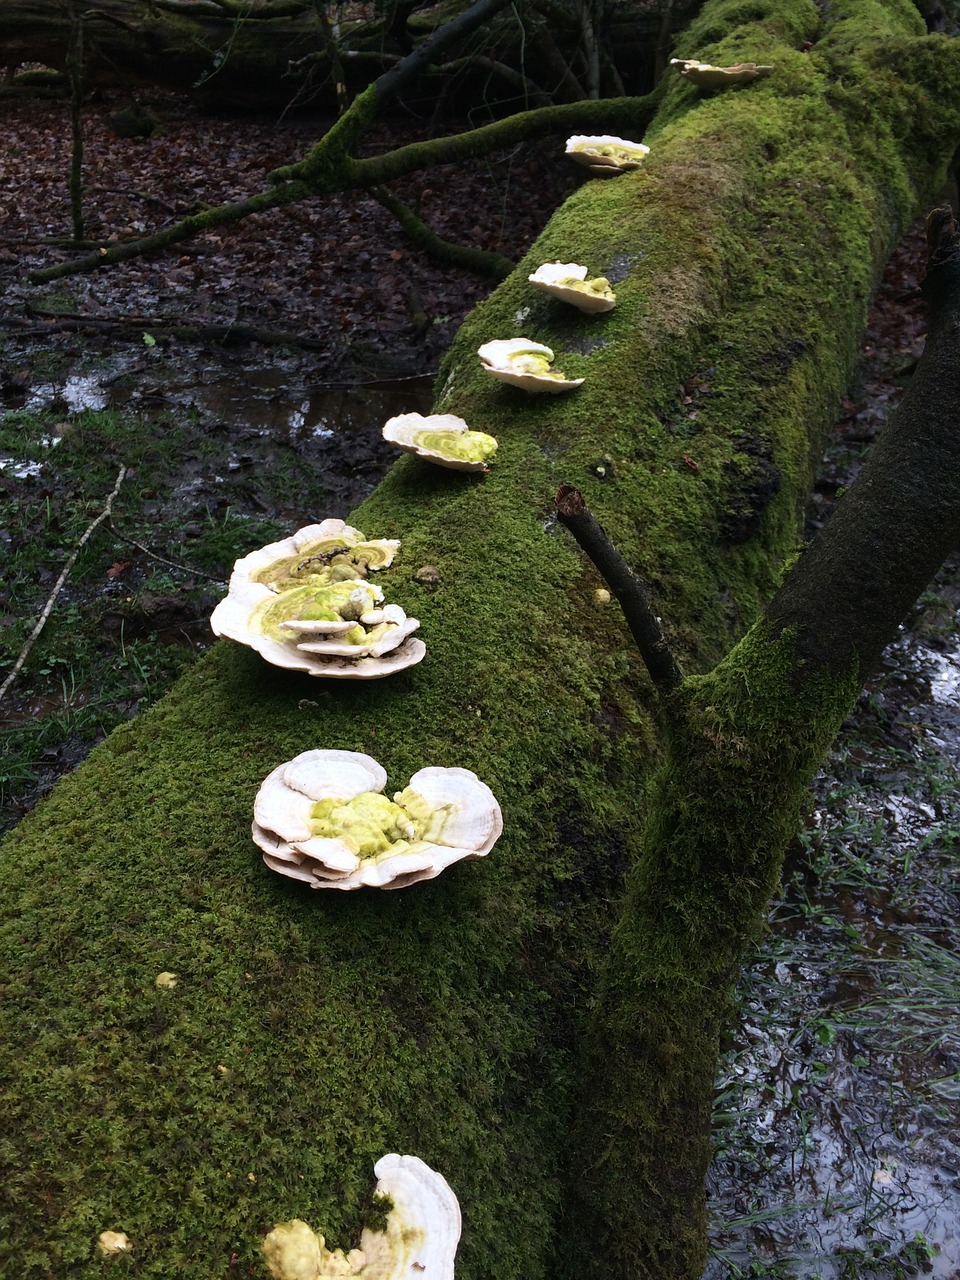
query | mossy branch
[902, 517]
[330, 166]
[185, 230]
[238, 9]
[573, 514]
[609, 113]
[483, 261]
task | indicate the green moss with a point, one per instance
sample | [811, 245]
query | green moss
[744, 743]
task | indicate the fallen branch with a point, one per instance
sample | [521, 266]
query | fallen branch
[64, 574]
[172, 564]
[573, 514]
[331, 166]
[483, 261]
[229, 334]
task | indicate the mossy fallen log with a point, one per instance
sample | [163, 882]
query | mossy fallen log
[310, 1033]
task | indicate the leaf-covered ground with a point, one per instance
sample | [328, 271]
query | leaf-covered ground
[335, 270]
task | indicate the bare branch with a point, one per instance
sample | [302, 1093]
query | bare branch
[573, 514]
[64, 574]
[329, 167]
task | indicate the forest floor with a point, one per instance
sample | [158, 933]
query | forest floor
[839, 1101]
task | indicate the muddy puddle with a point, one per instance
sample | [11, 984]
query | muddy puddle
[281, 399]
[838, 1110]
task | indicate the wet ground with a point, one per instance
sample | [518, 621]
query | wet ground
[839, 1102]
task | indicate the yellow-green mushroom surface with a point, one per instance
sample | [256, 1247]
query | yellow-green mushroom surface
[524, 364]
[606, 155]
[305, 604]
[441, 438]
[568, 282]
[419, 1240]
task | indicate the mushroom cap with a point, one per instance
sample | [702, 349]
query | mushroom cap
[604, 154]
[423, 1228]
[710, 77]
[442, 817]
[524, 364]
[287, 794]
[384, 638]
[442, 438]
[325, 772]
[466, 812]
[561, 280]
[419, 861]
[405, 655]
[253, 615]
[312, 551]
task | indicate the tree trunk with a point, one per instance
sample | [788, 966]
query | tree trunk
[309, 1034]
[743, 744]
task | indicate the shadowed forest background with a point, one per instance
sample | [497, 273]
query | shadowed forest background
[241, 377]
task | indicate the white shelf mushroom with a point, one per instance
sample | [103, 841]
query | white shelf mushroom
[315, 555]
[419, 1241]
[568, 282]
[604, 154]
[292, 603]
[710, 77]
[441, 438]
[524, 364]
[322, 818]
[423, 1228]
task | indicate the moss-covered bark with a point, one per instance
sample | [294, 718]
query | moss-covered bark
[308, 1034]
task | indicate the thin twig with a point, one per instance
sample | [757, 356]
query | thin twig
[64, 574]
[573, 514]
[183, 568]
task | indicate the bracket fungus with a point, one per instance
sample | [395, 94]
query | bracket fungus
[316, 555]
[419, 1241]
[605, 155]
[322, 818]
[441, 438]
[304, 604]
[710, 77]
[568, 281]
[524, 364]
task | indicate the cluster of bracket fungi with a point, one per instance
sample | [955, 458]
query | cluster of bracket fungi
[305, 604]
[322, 818]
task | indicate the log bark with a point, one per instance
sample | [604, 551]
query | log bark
[465, 1020]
